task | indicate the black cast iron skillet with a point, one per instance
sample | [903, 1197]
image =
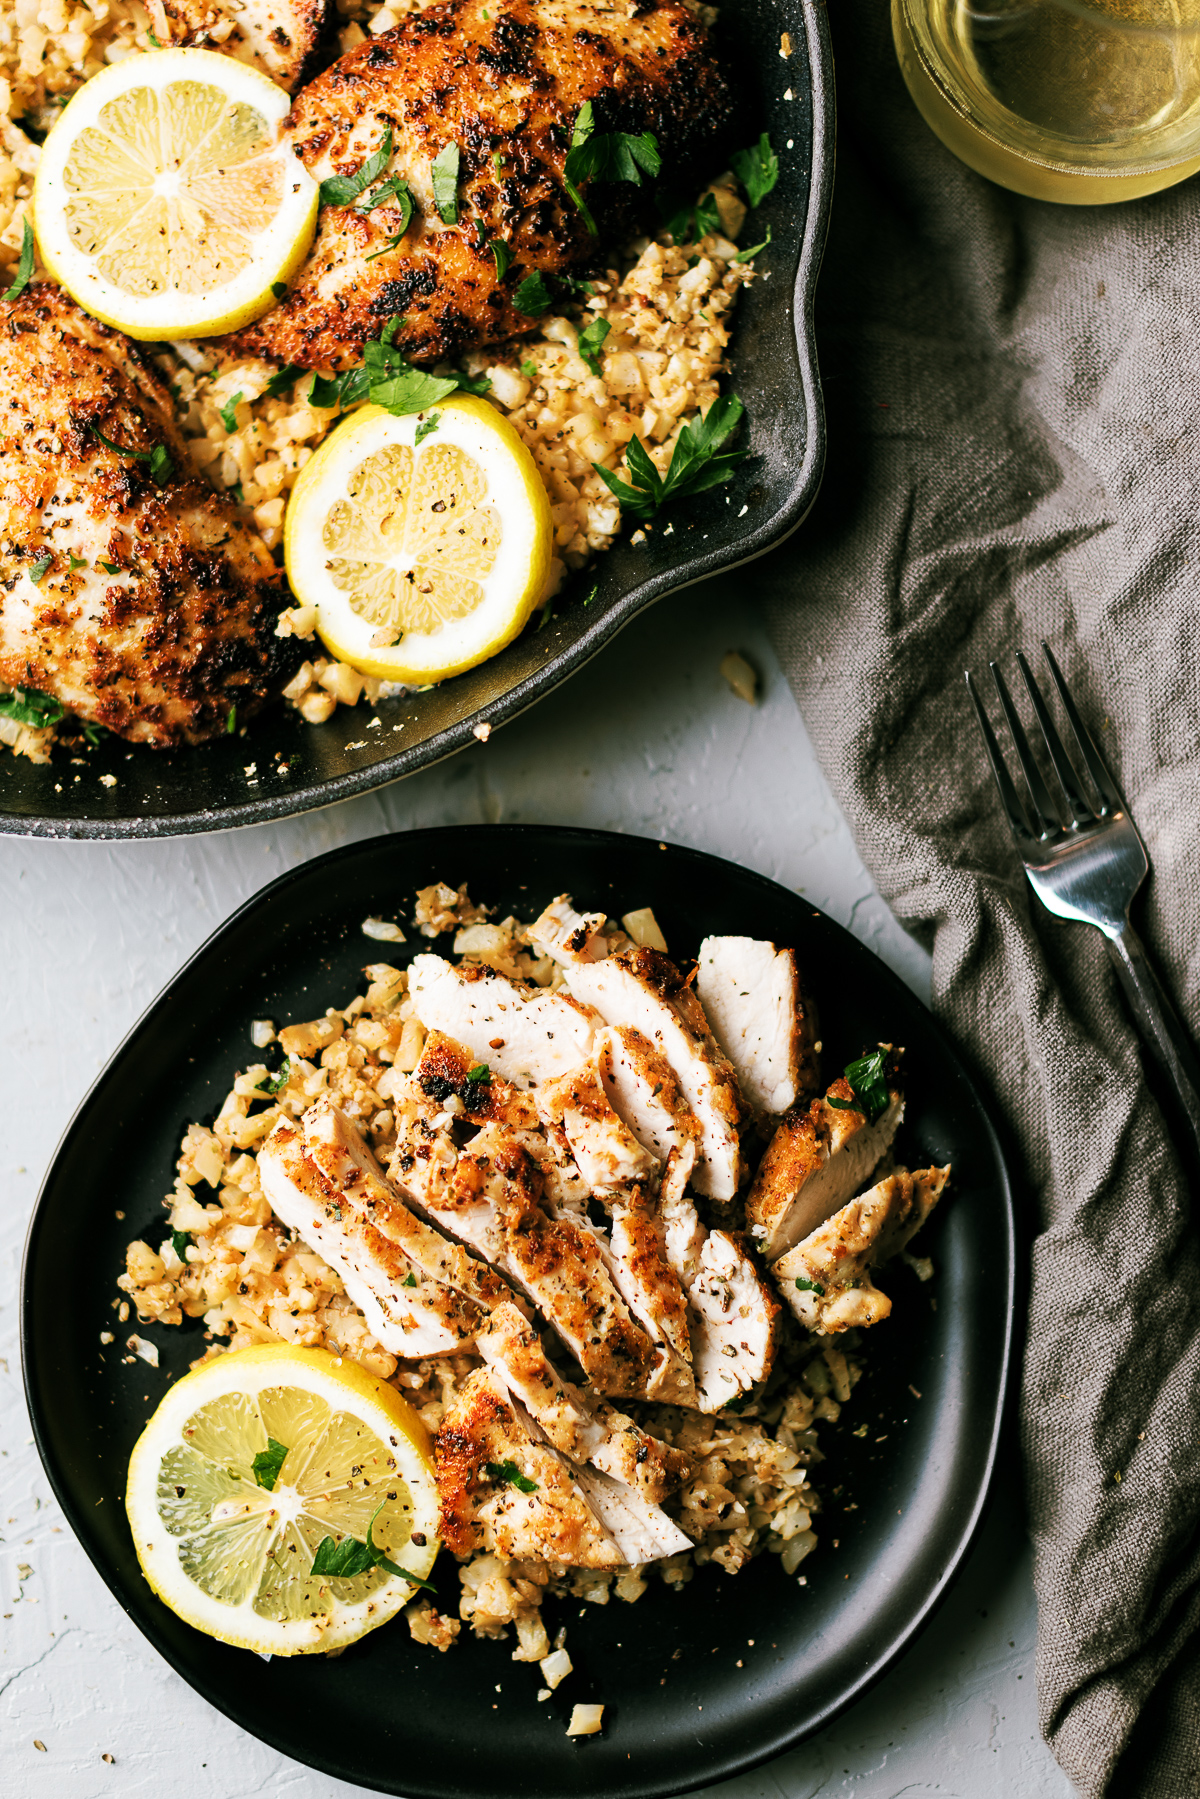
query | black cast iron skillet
[689, 1698]
[236, 781]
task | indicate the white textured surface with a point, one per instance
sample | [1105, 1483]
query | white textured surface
[649, 739]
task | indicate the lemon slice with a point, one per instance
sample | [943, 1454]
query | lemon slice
[424, 541]
[166, 201]
[234, 1557]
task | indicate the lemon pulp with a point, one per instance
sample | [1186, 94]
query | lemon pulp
[166, 202]
[423, 541]
[232, 1550]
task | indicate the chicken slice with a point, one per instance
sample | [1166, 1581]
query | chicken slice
[583, 1429]
[444, 1072]
[643, 989]
[827, 1279]
[486, 1438]
[280, 37]
[501, 84]
[604, 1149]
[736, 1321]
[753, 999]
[644, 1092]
[419, 1294]
[489, 1194]
[523, 1033]
[813, 1164]
[147, 608]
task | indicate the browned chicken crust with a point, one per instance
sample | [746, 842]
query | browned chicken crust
[180, 625]
[504, 80]
[281, 37]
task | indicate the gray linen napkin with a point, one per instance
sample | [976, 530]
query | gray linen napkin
[1013, 395]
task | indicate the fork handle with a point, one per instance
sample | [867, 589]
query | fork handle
[1158, 1022]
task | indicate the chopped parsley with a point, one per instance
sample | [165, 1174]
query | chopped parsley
[529, 370]
[344, 1560]
[752, 252]
[158, 459]
[697, 462]
[590, 340]
[804, 1286]
[688, 224]
[591, 596]
[409, 1281]
[179, 1243]
[231, 722]
[427, 427]
[76, 561]
[606, 156]
[267, 1463]
[275, 1083]
[229, 410]
[387, 379]
[280, 385]
[868, 1078]
[480, 1072]
[279, 289]
[508, 1471]
[757, 169]
[534, 296]
[25, 264]
[393, 243]
[444, 170]
[154, 40]
[94, 734]
[25, 706]
[394, 189]
[111, 568]
[341, 190]
[40, 568]
[503, 255]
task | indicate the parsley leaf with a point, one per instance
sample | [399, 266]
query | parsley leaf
[868, 1078]
[267, 1463]
[38, 572]
[279, 289]
[590, 340]
[338, 390]
[25, 706]
[752, 252]
[112, 568]
[159, 458]
[757, 169]
[409, 1281]
[229, 410]
[281, 384]
[389, 380]
[444, 170]
[179, 1243]
[154, 40]
[606, 156]
[275, 1083]
[591, 596]
[340, 190]
[94, 733]
[529, 370]
[391, 189]
[427, 427]
[25, 264]
[393, 243]
[512, 1474]
[697, 461]
[76, 561]
[480, 1072]
[503, 255]
[688, 224]
[534, 296]
[810, 1286]
[342, 1561]
[231, 722]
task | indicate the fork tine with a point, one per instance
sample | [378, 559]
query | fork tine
[1064, 768]
[1045, 812]
[1010, 799]
[1106, 787]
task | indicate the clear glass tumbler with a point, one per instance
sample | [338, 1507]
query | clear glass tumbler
[1084, 101]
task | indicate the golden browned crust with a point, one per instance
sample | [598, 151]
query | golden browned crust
[180, 625]
[281, 36]
[443, 1071]
[499, 78]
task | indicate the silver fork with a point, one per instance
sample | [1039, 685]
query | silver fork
[1086, 861]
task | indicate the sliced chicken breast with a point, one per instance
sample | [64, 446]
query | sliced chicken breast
[827, 1279]
[815, 1161]
[735, 1322]
[420, 1295]
[280, 37]
[444, 1072]
[643, 989]
[753, 1000]
[643, 1091]
[522, 1033]
[604, 1149]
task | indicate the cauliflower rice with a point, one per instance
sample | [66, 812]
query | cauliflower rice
[667, 306]
[228, 1259]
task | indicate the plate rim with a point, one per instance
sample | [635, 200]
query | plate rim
[274, 808]
[725, 1765]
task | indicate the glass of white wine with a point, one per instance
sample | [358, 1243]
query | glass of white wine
[1085, 101]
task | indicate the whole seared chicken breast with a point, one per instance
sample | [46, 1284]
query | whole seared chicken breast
[504, 81]
[136, 596]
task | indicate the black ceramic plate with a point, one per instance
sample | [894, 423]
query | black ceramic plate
[687, 1699]
[774, 371]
